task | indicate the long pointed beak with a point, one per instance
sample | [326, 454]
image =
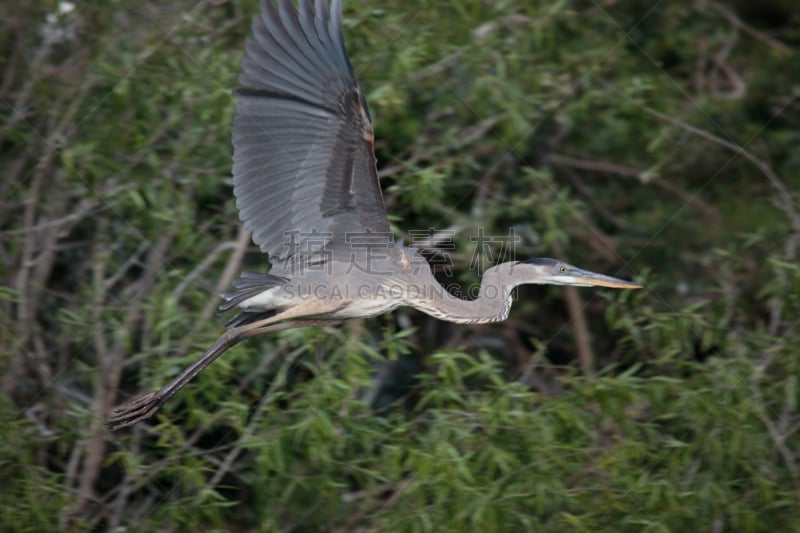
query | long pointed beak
[593, 279]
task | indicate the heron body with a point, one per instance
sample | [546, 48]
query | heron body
[306, 186]
[340, 288]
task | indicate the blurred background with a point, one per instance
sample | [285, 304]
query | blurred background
[657, 141]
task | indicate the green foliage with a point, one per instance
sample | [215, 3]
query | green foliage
[660, 138]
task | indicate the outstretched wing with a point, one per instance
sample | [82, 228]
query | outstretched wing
[304, 164]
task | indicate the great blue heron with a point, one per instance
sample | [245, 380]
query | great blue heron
[306, 186]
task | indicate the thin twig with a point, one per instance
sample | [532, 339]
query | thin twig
[110, 359]
[746, 28]
[257, 414]
[231, 268]
[201, 267]
[762, 411]
[606, 167]
[580, 327]
[786, 203]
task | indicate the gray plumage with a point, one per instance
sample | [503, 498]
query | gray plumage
[306, 186]
[303, 159]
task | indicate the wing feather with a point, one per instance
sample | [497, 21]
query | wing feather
[304, 164]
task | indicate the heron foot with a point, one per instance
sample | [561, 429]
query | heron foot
[135, 411]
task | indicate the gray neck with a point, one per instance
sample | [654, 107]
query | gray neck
[492, 304]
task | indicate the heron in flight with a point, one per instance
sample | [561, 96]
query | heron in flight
[306, 186]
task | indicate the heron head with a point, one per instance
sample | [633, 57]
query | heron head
[543, 270]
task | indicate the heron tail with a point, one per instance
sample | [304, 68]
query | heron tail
[248, 285]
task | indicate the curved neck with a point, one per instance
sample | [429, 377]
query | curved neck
[492, 304]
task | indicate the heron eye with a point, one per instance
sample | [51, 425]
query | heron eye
[562, 269]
